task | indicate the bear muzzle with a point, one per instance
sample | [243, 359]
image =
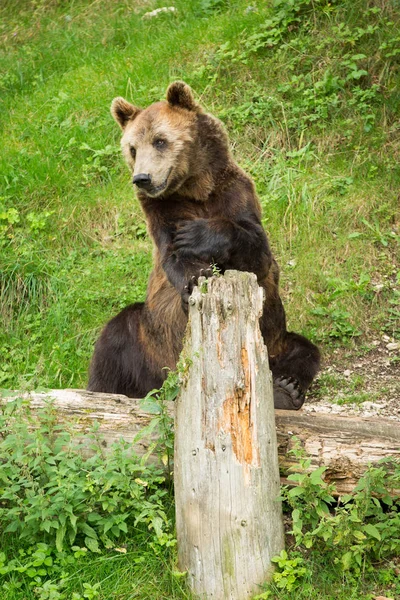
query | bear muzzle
[142, 180]
[146, 183]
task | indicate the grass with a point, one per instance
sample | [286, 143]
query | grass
[321, 147]
[309, 95]
[123, 574]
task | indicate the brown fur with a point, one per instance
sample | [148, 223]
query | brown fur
[200, 207]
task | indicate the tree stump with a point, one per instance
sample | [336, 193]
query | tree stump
[229, 521]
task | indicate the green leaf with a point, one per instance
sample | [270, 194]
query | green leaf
[372, 531]
[108, 525]
[299, 477]
[123, 527]
[92, 544]
[347, 559]
[46, 525]
[296, 491]
[31, 572]
[151, 404]
[60, 537]
[295, 514]
[89, 531]
[315, 476]
[93, 517]
[157, 524]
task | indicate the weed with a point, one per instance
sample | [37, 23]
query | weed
[156, 403]
[100, 164]
[375, 233]
[291, 571]
[50, 491]
[61, 505]
[392, 317]
[355, 398]
[337, 324]
[208, 7]
[360, 530]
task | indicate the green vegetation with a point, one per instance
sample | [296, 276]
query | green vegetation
[309, 92]
[350, 535]
[74, 527]
[71, 518]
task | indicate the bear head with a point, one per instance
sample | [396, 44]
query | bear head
[172, 146]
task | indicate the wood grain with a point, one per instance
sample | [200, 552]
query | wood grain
[346, 445]
[228, 520]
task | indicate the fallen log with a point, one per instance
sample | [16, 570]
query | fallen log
[345, 444]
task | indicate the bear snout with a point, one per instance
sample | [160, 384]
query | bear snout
[142, 180]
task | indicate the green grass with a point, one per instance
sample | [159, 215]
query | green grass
[309, 95]
[127, 573]
[321, 146]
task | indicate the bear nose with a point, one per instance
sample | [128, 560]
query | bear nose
[142, 180]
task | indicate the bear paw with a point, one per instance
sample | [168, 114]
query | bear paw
[188, 289]
[288, 394]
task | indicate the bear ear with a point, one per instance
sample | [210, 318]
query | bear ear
[180, 94]
[123, 111]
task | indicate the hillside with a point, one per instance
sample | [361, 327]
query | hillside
[309, 95]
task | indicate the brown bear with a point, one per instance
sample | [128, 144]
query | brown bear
[201, 209]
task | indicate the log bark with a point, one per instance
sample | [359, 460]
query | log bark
[116, 416]
[228, 519]
[345, 444]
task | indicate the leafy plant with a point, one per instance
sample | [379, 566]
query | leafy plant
[100, 163]
[336, 324]
[376, 233]
[52, 494]
[155, 402]
[355, 532]
[38, 221]
[8, 218]
[291, 571]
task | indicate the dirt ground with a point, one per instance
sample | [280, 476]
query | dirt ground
[365, 384]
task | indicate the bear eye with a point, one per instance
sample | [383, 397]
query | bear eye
[132, 151]
[159, 143]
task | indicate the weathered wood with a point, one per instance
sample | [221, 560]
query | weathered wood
[345, 444]
[228, 520]
[117, 416]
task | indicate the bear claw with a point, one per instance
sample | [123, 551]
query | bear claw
[288, 394]
[193, 281]
[191, 284]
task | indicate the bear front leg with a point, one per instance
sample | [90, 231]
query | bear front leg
[230, 244]
[184, 274]
[206, 239]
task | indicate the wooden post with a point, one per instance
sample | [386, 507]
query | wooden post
[229, 521]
